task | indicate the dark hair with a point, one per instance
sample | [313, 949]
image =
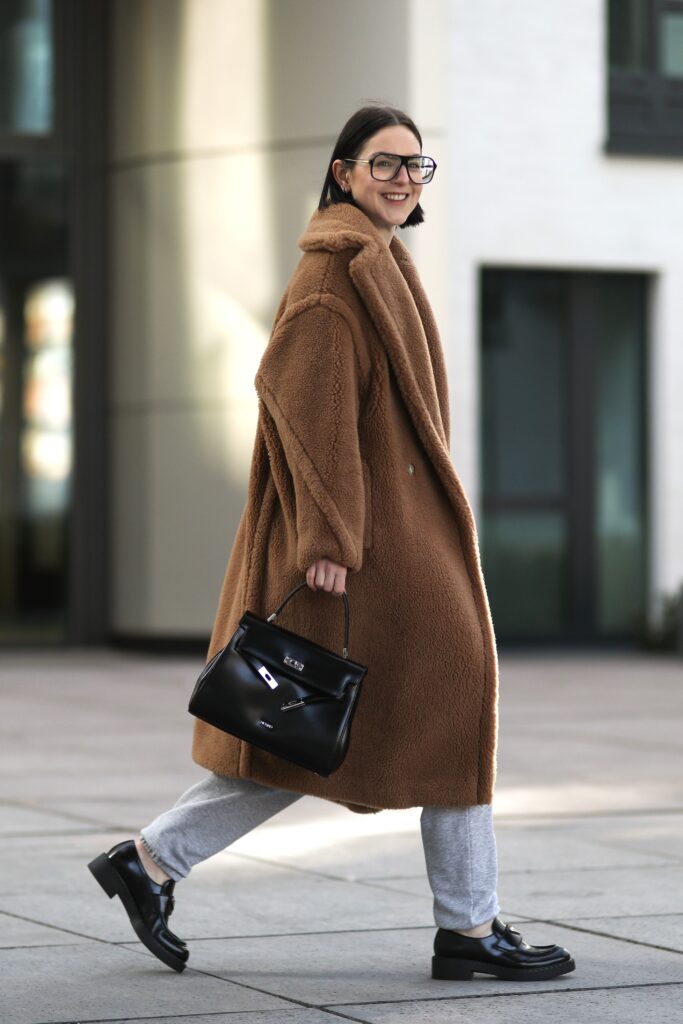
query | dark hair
[359, 127]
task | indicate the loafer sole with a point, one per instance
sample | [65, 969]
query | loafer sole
[451, 968]
[108, 877]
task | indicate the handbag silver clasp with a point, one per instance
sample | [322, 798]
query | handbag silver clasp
[291, 704]
[298, 665]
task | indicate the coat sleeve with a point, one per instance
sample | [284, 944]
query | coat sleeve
[309, 381]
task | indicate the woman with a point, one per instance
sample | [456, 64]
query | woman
[351, 483]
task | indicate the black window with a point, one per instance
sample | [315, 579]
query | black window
[53, 397]
[645, 58]
[563, 425]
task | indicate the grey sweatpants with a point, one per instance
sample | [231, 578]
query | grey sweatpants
[459, 843]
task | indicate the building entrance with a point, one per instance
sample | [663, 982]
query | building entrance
[563, 418]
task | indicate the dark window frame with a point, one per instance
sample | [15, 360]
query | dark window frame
[54, 143]
[578, 497]
[79, 140]
[645, 107]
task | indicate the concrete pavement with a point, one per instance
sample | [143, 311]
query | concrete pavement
[322, 915]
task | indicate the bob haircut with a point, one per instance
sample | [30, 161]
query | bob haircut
[359, 127]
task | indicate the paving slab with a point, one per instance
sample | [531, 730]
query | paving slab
[126, 812]
[93, 981]
[633, 1005]
[387, 845]
[362, 966]
[609, 892]
[227, 896]
[16, 932]
[523, 849]
[588, 795]
[613, 892]
[592, 724]
[22, 820]
[659, 832]
[47, 864]
[393, 849]
[651, 833]
[224, 896]
[664, 931]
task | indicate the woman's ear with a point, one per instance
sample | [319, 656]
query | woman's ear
[339, 173]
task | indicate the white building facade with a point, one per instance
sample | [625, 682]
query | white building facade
[554, 264]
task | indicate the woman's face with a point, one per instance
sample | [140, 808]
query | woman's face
[373, 196]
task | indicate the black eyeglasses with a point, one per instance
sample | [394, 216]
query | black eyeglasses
[385, 166]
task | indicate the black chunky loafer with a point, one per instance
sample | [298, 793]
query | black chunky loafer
[504, 954]
[147, 903]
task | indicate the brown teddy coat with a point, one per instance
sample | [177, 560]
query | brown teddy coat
[351, 462]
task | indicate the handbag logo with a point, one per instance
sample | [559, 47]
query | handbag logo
[265, 674]
[298, 665]
[268, 725]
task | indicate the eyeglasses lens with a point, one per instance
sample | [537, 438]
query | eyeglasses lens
[420, 170]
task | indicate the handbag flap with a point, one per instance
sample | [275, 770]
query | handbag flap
[286, 654]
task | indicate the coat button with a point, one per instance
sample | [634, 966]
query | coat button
[411, 467]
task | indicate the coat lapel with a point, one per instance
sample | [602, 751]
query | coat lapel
[430, 332]
[388, 283]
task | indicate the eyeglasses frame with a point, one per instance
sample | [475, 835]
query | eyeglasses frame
[403, 159]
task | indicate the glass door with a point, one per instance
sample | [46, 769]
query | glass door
[562, 452]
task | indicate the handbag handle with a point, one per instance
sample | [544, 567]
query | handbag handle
[345, 649]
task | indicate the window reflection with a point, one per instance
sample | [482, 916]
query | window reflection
[46, 397]
[26, 67]
[671, 45]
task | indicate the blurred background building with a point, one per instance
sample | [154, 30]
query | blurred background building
[159, 160]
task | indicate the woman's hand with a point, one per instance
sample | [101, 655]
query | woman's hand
[329, 575]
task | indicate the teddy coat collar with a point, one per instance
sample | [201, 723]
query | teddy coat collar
[387, 280]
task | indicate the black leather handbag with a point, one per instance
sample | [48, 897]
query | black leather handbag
[282, 692]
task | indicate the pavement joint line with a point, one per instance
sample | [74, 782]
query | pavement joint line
[525, 991]
[143, 951]
[59, 928]
[37, 808]
[613, 845]
[607, 741]
[287, 935]
[345, 1016]
[52, 834]
[620, 917]
[512, 919]
[298, 869]
[605, 935]
[101, 827]
[372, 884]
[189, 1014]
[43, 945]
[578, 870]
[619, 812]
[670, 859]
[326, 875]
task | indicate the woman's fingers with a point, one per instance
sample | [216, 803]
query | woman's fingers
[327, 575]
